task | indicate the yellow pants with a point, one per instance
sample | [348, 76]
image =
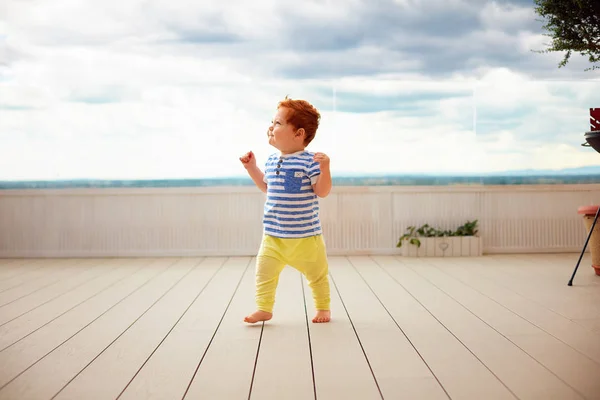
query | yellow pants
[307, 255]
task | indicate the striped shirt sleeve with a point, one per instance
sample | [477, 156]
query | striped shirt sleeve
[313, 172]
[265, 171]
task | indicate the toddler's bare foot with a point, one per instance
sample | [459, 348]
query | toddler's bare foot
[258, 316]
[322, 316]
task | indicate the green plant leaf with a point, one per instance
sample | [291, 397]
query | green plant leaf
[469, 228]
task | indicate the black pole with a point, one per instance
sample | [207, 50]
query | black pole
[584, 246]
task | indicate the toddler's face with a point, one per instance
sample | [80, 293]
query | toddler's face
[282, 135]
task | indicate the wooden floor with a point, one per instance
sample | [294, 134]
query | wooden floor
[492, 327]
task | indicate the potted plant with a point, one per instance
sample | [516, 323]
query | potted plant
[427, 241]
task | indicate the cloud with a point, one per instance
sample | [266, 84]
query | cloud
[153, 89]
[509, 17]
[538, 112]
[439, 38]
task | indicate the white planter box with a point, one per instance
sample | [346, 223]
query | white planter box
[453, 246]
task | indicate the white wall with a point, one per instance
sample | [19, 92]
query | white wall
[227, 220]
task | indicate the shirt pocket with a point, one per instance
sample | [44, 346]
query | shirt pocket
[292, 180]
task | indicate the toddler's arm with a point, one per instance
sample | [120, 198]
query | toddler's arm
[323, 185]
[249, 162]
[320, 168]
[258, 177]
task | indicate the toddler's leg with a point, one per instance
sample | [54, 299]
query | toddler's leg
[317, 275]
[268, 270]
[318, 279]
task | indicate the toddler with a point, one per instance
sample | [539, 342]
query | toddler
[292, 235]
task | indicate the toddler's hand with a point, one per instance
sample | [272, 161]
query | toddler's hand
[248, 160]
[322, 159]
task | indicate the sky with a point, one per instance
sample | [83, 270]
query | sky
[158, 89]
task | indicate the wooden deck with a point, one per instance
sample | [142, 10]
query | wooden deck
[492, 327]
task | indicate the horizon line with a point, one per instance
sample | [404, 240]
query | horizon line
[507, 173]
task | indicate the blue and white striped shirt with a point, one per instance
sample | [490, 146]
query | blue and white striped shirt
[292, 207]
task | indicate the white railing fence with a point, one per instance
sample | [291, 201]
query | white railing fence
[227, 220]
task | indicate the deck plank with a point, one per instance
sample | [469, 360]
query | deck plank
[21, 306]
[398, 367]
[571, 302]
[110, 372]
[10, 267]
[169, 370]
[562, 328]
[593, 324]
[19, 267]
[69, 269]
[284, 370]
[555, 355]
[570, 366]
[459, 371]
[561, 267]
[511, 364]
[25, 325]
[102, 295]
[553, 272]
[474, 327]
[340, 366]
[50, 268]
[226, 370]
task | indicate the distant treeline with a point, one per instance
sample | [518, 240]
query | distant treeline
[399, 180]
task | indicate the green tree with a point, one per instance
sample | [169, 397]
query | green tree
[574, 26]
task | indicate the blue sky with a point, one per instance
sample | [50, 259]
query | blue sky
[180, 89]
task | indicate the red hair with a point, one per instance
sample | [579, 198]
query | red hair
[302, 114]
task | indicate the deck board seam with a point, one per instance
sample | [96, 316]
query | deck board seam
[187, 389]
[498, 332]
[101, 274]
[446, 328]
[77, 305]
[312, 362]
[56, 279]
[519, 294]
[356, 334]
[48, 273]
[262, 330]
[25, 270]
[128, 327]
[398, 325]
[517, 314]
[91, 322]
[174, 325]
